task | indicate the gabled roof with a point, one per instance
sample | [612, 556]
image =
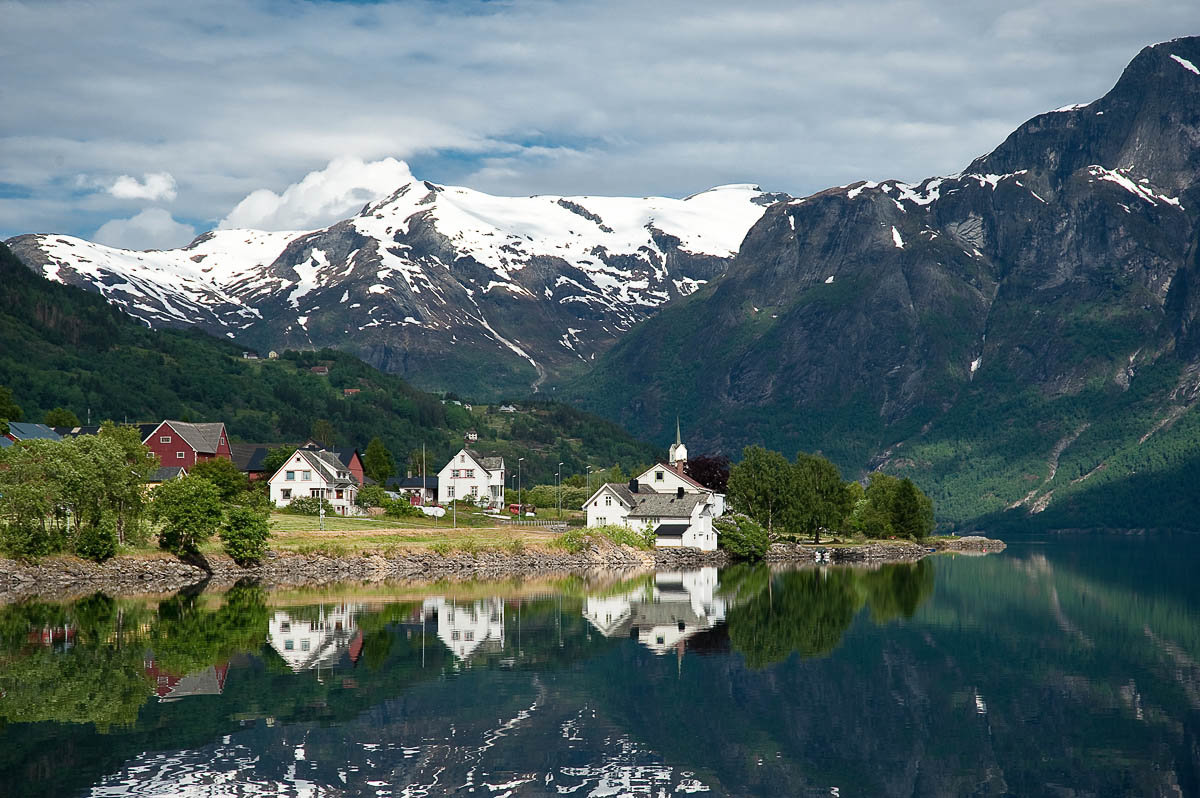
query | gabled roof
[412, 483]
[166, 473]
[684, 477]
[619, 488]
[204, 438]
[327, 464]
[25, 431]
[666, 505]
[488, 464]
[346, 455]
[248, 456]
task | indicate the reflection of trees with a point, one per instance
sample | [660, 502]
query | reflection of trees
[808, 611]
[188, 637]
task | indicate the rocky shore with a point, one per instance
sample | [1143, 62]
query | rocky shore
[69, 576]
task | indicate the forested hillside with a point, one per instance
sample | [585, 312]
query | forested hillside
[63, 347]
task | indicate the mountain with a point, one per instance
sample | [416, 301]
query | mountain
[1022, 335]
[448, 287]
[61, 346]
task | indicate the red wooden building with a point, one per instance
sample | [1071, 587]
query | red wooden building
[178, 443]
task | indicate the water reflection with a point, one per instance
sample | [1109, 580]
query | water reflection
[1021, 674]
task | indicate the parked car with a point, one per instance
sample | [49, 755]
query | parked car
[516, 509]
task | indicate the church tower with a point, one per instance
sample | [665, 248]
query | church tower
[677, 455]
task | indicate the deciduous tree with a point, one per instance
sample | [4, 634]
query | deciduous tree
[378, 463]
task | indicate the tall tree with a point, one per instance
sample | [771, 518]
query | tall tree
[377, 461]
[820, 499]
[322, 432]
[710, 470]
[910, 518]
[60, 417]
[760, 486]
[190, 511]
[9, 411]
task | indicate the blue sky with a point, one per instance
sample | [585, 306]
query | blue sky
[143, 123]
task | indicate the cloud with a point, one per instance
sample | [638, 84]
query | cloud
[153, 228]
[322, 197]
[156, 186]
[530, 96]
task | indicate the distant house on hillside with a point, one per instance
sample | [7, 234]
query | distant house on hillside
[178, 443]
[471, 435]
[507, 409]
[24, 431]
[351, 391]
[249, 355]
[470, 475]
[316, 473]
[664, 498]
[321, 370]
[272, 355]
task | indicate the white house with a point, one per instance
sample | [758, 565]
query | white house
[306, 643]
[663, 617]
[468, 628]
[469, 475]
[677, 507]
[316, 473]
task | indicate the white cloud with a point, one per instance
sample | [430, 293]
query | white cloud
[322, 197]
[153, 228]
[155, 186]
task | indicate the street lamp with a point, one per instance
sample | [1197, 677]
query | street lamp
[520, 501]
[589, 481]
[558, 485]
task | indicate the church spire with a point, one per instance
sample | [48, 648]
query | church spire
[678, 439]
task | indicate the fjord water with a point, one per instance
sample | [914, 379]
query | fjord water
[1063, 666]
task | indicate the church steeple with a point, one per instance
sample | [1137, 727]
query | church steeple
[677, 455]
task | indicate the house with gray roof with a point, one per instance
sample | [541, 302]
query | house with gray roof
[25, 431]
[473, 476]
[316, 473]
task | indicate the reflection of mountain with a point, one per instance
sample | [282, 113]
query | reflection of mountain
[663, 616]
[317, 641]
[467, 629]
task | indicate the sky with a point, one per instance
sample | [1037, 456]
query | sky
[142, 124]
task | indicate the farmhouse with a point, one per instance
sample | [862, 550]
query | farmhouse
[178, 443]
[25, 431]
[470, 475]
[315, 473]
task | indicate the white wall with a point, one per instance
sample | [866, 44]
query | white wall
[303, 488]
[486, 484]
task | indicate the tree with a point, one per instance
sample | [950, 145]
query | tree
[710, 470]
[820, 499]
[276, 458]
[912, 512]
[224, 474]
[372, 496]
[742, 536]
[190, 512]
[760, 486]
[60, 417]
[246, 533]
[125, 476]
[377, 461]
[9, 411]
[322, 432]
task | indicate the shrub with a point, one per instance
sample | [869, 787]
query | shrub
[742, 536]
[372, 496]
[29, 540]
[245, 534]
[190, 511]
[442, 547]
[400, 508]
[514, 546]
[98, 541]
[573, 540]
[307, 505]
[637, 538]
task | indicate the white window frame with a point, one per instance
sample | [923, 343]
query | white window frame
[289, 476]
[164, 438]
[179, 455]
[306, 476]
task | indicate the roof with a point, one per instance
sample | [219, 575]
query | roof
[203, 438]
[345, 455]
[248, 456]
[412, 483]
[620, 488]
[165, 473]
[666, 505]
[5, 443]
[328, 465]
[488, 463]
[682, 476]
[25, 431]
[144, 430]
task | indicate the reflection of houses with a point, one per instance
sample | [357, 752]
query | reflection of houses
[172, 687]
[468, 629]
[664, 616]
[306, 643]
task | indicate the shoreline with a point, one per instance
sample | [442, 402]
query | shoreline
[64, 577]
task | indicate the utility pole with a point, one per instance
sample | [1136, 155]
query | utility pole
[520, 501]
[558, 481]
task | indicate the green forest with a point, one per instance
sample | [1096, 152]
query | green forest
[64, 348]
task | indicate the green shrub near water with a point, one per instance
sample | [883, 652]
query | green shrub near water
[742, 536]
[642, 538]
[573, 540]
[245, 534]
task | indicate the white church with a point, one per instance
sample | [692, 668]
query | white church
[678, 508]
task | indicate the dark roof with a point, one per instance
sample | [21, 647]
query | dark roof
[165, 473]
[675, 530]
[666, 505]
[411, 483]
[248, 456]
[201, 437]
[328, 465]
[345, 455]
[144, 429]
[488, 463]
[5, 443]
[25, 431]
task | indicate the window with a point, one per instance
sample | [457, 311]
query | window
[470, 473]
[658, 476]
[470, 637]
[149, 454]
[179, 455]
[454, 635]
[285, 627]
[315, 493]
[337, 494]
[462, 458]
[454, 473]
[304, 644]
[474, 490]
[608, 501]
[450, 493]
[290, 475]
[286, 493]
[289, 645]
[164, 439]
[306, 476]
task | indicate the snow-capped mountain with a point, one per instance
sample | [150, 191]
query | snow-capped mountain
[449, 286]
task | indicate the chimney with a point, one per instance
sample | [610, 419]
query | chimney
[679, 492]
[633, 485]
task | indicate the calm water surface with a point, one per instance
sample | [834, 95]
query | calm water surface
[1066, 666]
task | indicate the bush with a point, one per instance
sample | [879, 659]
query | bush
[742, 536]
[372, 496]
[307, 505]
[573, 540]
[245, 534]
[98, 542]
[637, 538]
[29, 540]
[190, 511]
[400, 508]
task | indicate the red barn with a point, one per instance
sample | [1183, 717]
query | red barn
[178, 443]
